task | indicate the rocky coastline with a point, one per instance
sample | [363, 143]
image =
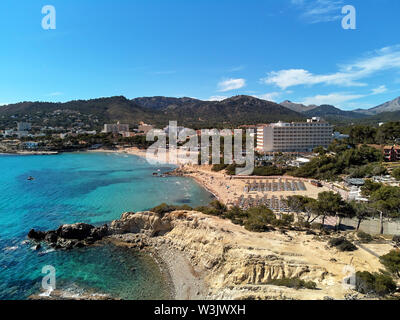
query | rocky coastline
[210, 258]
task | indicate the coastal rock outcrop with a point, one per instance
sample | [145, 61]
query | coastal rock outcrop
[149, 223]
[210, 257]
[70, 236]
[235, 263]
[36, 235]
[78, 231]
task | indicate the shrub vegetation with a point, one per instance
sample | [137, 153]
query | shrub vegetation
[376, 283]
[391, 261]
[342, 244]
[364, 237]
[295, 283]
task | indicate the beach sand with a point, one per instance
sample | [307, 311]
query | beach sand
[184, 282]
[188, 284]
[228, 189]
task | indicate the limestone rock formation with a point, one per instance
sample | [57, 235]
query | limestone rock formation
[149, 223]
[239, 264]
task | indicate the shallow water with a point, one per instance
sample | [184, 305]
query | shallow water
[81, 187]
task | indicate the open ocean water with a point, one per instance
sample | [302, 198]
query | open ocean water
[82, 187]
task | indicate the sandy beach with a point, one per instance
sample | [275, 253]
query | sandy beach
[185, 283]
[228, 189]
[188, 284]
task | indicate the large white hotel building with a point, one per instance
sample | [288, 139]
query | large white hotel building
[294, 137]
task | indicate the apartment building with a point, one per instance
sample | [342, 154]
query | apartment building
[391, 153]
[295, 136]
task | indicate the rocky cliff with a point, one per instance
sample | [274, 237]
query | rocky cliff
[211, 258]
[234, 263]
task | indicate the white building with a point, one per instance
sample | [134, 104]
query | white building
[8, 133]
[340, 136]
[299, 162]
[295, 136]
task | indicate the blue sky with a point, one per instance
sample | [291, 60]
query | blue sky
[272, 49]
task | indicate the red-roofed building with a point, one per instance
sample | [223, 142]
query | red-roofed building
[392, 153]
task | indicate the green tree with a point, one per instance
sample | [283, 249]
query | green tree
[345, 211]
[311, 207]
[391, 261]
[329, 204]
[362, 134]
[320, 150]
[377, 283]
[387, 201]
[396, 174]
[259, 218]
[362, 211]
[388, 133]
[370, 187]
[300, 204]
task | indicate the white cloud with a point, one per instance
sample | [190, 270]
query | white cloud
[231, 84]
[294, 77]
[336, 99]
[348, 75]
[379, 90]
[217, 98]
[315, 11]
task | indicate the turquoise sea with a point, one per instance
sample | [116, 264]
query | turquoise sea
[82, 187]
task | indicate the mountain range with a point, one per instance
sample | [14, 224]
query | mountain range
[385, 112]
[159, 111]
[390, 106]
[195, 113]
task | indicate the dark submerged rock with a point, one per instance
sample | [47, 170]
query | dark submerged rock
[51, 237]
[36, 235]
[71, 236]
[79, 231]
